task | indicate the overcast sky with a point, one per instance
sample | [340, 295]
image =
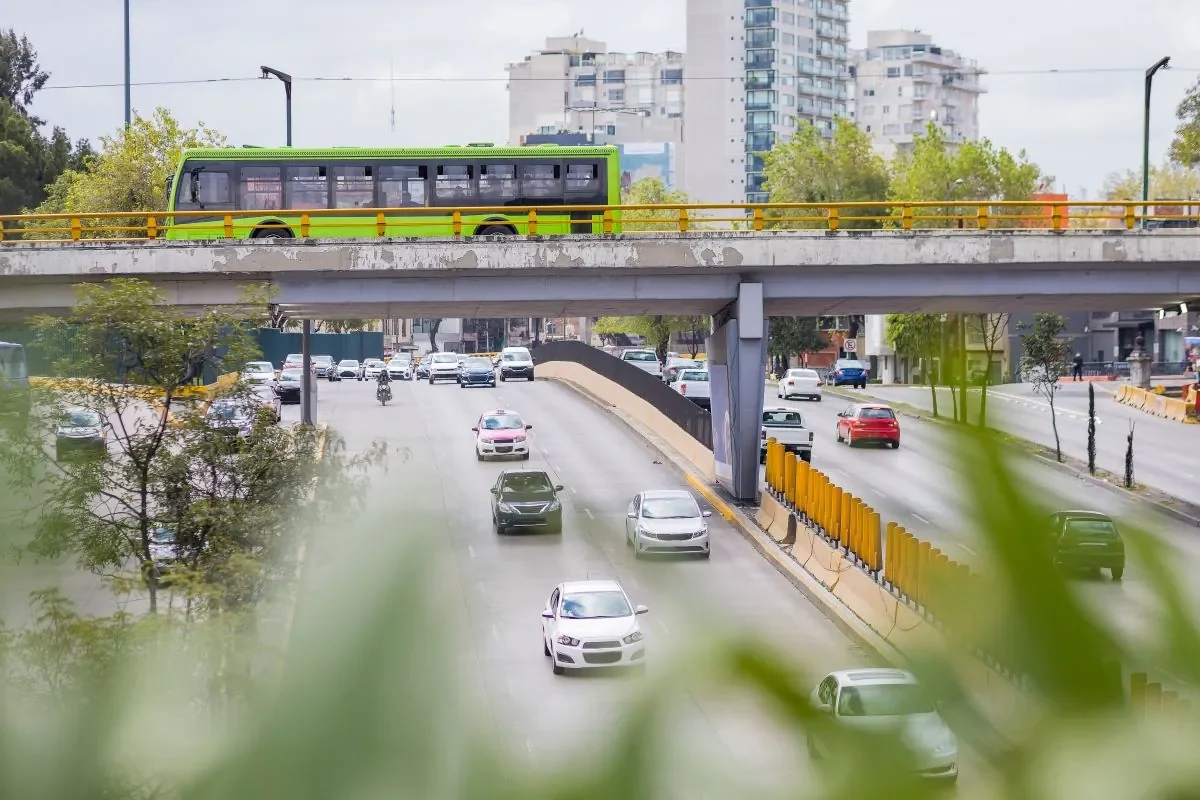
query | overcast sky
[449, 62]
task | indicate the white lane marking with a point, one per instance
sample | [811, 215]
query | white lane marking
[588, 511]
[922, 519]
[663, 625]
[558, 469]
[574, 490]
[529, 747]
[495, 633]
[881, 494]
[471, 551]
[964, 547]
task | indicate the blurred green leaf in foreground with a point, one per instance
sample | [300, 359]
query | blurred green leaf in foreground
[370, 703]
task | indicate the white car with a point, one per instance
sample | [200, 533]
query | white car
[259, 372]
[693, 384]
[645, 360]
[590, 624]
[348, 368]
[666, 521]
[400, 367]
[372, 367]
[515, 362]
[874, 699]
[800, 383]
[501, 433]
[443, 367]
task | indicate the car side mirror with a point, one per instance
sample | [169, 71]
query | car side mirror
[476, 429]
[528, 427]
[558, 487]
[547, 614]
[823, 708]
[641, 610]
[632, 515]
[706, 513]
[493, 490]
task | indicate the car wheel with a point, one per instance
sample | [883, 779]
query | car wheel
[558, 670]
[706, 554]
[431, 380]
[462, 385]
[502, 378]
[838, 431]
[545, 648]
[628, 539]
[637, 552]
[896, 445]
[500, 529]
[524, 456]
[817, 398]
[531, 377]
[849, 439]
[478, 456]
[1117, 572]
[762, 456]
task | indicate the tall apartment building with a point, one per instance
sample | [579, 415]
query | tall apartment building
[754, 68]
[575, 86]
[903, 80]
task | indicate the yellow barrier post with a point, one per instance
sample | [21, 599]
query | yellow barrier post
[1153, 698]
[889, 553]
[903, 559]
[826, 507]
[1137, 692]
[802, 469]
[770, 462]
[921, 584]
[818, 499]
[789, 479]
[1170, 702]
[777, 470]
[856, 513]
[841, 502]
[874, 543]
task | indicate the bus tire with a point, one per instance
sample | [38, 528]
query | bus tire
[495, 230]
[272, 232]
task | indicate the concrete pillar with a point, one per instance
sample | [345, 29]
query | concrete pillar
[1139, 364]
[737, 358]
[307, 417]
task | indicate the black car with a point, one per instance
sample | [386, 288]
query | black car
[526, 498]
[326, 368]
[1087, 540]
[289, 386]
[80, 432]
[477, 372]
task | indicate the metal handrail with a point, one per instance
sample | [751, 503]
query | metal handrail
[632, 219]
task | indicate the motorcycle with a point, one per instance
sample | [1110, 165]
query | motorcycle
[383, 393]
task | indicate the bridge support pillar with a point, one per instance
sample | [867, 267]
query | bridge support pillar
[737, 353]
[307, 406]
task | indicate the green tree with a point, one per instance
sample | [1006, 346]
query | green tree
[938, 170]
[21, 76]
[1185, 147]
[1171, 181]
[1044, 361]
[989, 330]
[918, 336]
[651, 192]
[811, 168]
[656, 330]
[20, 165]
[793, 336]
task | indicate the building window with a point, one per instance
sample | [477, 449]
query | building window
[892, 129]
[789, 18]
[887, 110]
[616, 95]
[788, 38]
[867, 111]
[353, 187]
[893, 72]
[585, 79]
[868, 92]
[614, 76]
[672, 77]
[307, 187]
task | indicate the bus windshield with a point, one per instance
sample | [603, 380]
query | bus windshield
[12, 362]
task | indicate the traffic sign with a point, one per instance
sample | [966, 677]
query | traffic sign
[850, 345]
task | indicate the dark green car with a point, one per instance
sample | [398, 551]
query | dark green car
[1087, 540]
[526, 498]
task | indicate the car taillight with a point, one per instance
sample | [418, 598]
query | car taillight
[764, 435]
[837, 372]
[683, 388]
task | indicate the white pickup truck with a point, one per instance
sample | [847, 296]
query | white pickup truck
[786, 426]
[693, 384]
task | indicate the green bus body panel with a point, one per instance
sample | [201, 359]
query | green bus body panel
[433, 222]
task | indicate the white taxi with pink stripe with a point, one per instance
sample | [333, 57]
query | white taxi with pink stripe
[501, 433]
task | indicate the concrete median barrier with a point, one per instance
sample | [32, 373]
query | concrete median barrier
[1159, 405]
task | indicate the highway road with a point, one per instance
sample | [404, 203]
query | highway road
[920, 487]
[1165, 452]
[495, 588]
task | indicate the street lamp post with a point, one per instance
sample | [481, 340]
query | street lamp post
[268, 72]
[128, 95]
[1160, 64]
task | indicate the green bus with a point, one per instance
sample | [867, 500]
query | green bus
[476, 190]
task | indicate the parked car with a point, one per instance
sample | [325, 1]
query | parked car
[848, 372]
[693, 384]
[800, 383]
[268, 397]
[869, 422]
[786, 426]
[296, 361]
[1087, 540]
[645, 360]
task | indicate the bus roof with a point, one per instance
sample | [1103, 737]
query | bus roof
[453, 151]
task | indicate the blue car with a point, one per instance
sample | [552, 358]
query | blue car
[477, 371]
[847, 372]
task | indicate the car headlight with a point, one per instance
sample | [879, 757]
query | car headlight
[554, 506]
[506, 508]
[703, 530]
[567, 640]
[636, 636]
[518, 438]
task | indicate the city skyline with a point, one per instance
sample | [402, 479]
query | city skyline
[1079, 126]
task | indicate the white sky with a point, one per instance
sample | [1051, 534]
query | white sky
[1078, 127]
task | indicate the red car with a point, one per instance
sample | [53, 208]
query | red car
[868, 422]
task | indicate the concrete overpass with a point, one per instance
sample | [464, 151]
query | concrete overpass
[801, 272]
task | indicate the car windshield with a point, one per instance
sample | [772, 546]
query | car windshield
[640, 357]
[81, 419]
[695, 375]
[1091, 527]
[670, 508]
[876, 413]
[230, 411]
[162, 535]
[500, 422]
[783, 419]
[290, 375]
[883, 700]
[294, 357]
[595, 605]
[801, 373]
[849, 365]
[526, 483]
[323, 359]
[684, 363]
[479, 363]
[347, 362]
[374, 362]
[516, 355]
[260, 366]
[445, 358]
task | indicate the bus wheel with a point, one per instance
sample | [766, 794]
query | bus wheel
[495, 230]
[274, 232]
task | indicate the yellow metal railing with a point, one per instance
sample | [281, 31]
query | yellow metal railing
[367, 223]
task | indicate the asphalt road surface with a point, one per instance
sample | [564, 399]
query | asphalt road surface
[497, 586]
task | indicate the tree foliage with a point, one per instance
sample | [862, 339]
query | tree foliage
[1044, 361]
[1169, 181]
[918, 336]
[1185, 146]
[811, 168]
[792, 336]
[990, 330]
[21, 76]
[656, 330]
[652, 192]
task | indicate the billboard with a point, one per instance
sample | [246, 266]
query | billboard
[641, 160]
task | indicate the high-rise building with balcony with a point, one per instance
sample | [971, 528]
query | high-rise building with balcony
[756, 67]
[903, 81]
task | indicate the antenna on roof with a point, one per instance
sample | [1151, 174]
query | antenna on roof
[392, 80]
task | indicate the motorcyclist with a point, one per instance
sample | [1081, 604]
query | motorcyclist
[384, 383]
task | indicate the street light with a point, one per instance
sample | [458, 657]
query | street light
[128, 100]
[268, 72]
[1162, 63]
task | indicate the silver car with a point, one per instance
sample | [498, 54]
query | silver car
[259, 372]
[888, 700]
[666, 521]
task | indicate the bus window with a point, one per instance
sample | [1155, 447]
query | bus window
[353, 187]
[453, 185]
[497, 183]
[261, 188]
[541, 181]
[12, 362]
[402, 187]
[583, 179]
[200, 186]
[308, 187]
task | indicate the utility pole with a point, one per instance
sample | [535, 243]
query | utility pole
[268, 73]
[128, 93]
[1160, 64]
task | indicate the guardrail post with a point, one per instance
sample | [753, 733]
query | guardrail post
[304, 225]
[380, 224]
[758, 219]
[789, 478]
[456, 223]
[76, 229]
[683, 220]
[834, 219]
[889, 553]
[770, 471]
[1130, 217]
[843, 518]
[922, 582]
[607, 217]
[151, 227]
[855, 526]
[533, 222]
[981, 218]
[228, 222]
[912, 566]
[874, 543]
[1056, 217]
[821, 490]
[802, 469]
[1, 230]
[906, 217]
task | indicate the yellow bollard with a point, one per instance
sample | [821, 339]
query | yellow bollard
[1153, 698]
[852, 524]
[1170, 702]
[874, 541]
[889, 552]
[820, 499]
[802, 470]
[860, 529]
[777, 470]
[837, 510]
[921, 584]
[789, 479]
[770, 463]
[912, 566]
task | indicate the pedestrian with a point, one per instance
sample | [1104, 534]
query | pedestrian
[1078, 367]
